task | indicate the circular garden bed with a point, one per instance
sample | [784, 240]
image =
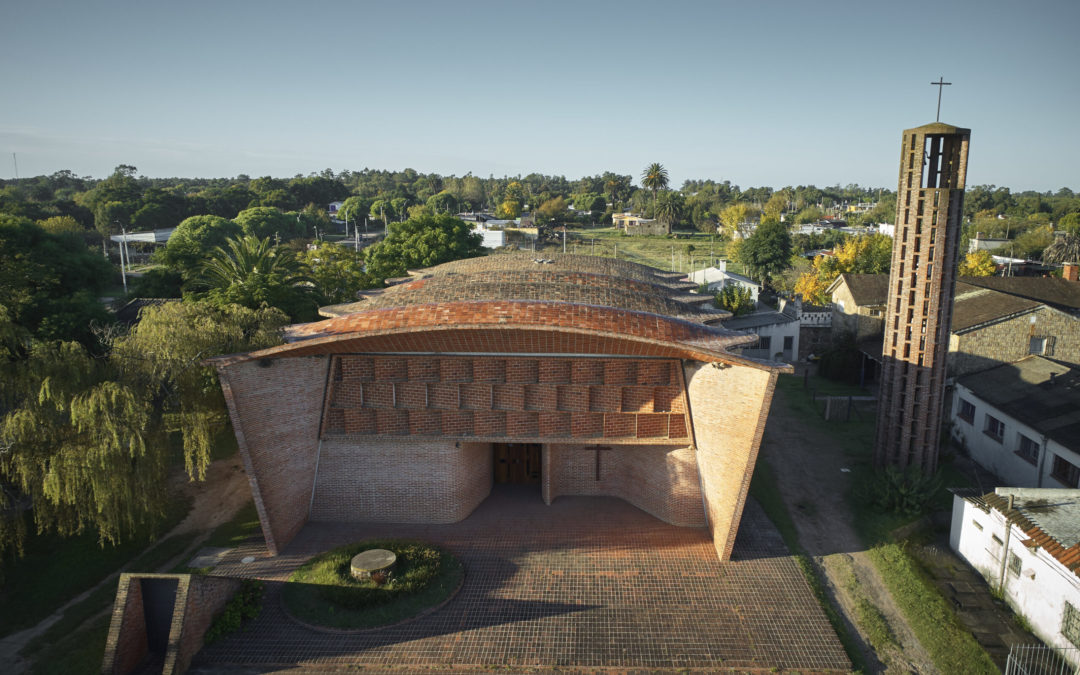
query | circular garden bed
[324, 593]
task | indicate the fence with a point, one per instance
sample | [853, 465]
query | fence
[1042, 660]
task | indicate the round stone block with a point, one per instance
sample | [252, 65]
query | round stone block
[373, 560]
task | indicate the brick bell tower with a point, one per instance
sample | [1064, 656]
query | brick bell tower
[929, 207]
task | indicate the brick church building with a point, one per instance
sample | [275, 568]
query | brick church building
[573, 375]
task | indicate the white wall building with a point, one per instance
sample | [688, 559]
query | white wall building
[716, 278]
[1021, 420]
[1026, 542]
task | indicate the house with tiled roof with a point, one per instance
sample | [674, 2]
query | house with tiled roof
[564, 375]
[990, 326]
[1026, 543]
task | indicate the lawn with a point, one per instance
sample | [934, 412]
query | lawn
[55, 569]
[691, 250]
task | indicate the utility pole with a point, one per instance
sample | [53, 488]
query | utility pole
[15, 159]
[123, 270]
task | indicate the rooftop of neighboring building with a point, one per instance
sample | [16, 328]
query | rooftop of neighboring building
[1053, 291]
[867, 290]
[1049, 517]
[975, 305]
[768, 317]
[1039, 392]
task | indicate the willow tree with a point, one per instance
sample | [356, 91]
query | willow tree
[85, 442]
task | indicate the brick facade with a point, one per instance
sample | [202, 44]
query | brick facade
[404, 481]
[390, 413]
[929, 206]
[728, 407]
[1010, 340]
[275, 406]
[660, 480]
[198, 599]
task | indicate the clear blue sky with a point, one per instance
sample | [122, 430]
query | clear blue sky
[759, 93]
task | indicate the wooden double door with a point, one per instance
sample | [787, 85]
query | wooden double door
[517, 463]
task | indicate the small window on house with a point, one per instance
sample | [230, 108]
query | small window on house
[978, 525]
[1027, 448]
[789, 342]
[995, 428]
[1037, 345]
[1070, 624]
[967, 411]
[996, 541]
[765, 342]
[1065, 472]
[1015, 566]
[875, 312]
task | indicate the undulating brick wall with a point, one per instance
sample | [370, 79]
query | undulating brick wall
[276, 406]
[402, 481]
[728, 407]
[660, 480]
[505, 399]
[126, 646]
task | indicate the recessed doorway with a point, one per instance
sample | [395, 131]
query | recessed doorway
[517, 463]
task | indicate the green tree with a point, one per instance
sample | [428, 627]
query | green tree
[193, 239]
[735, 299]
[669, 207]
[337, 272]
[422, 242]
[1064, 249]
[265, 222]
[51, 282]
[61, 225]
[443, 202]
[654, 178]
[766, 252]
[85, 439]
[553, 210]
[253, 273]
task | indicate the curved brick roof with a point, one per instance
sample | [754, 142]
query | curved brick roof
[567, 278]
[510, 304]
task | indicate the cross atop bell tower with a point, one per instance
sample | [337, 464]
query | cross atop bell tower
[940, 84]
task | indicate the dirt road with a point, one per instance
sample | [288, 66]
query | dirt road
[808, 466]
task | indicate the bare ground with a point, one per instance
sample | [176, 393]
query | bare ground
[808, 464]
[214, 502]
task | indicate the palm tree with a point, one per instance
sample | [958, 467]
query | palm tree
[654, 178]
[247, 259]
[668, 207]
[1065, 249]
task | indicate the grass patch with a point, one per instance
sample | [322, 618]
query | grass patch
[78, 614]
[323, 591]
[949, 644]
[652, 251]
[56, 569]
[81, 652]
[242, 527]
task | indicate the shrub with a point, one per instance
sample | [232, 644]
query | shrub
[243, 606]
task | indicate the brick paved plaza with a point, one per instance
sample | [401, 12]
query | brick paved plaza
[588, 583]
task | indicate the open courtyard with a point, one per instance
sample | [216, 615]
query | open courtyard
[586, 584]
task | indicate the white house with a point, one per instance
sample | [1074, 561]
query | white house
[1021, 420]
[716, 278]
[1026, 542]
[492, 238]
[777, 331]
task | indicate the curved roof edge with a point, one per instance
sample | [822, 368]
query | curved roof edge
[681, 337]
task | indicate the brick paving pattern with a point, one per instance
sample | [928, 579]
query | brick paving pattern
[588, 583]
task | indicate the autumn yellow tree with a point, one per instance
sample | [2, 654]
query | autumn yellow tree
[860, 255]
[977, 264]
